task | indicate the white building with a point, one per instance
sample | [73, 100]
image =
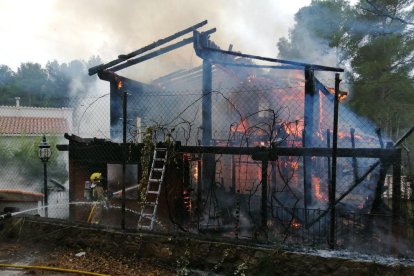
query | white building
[34, 121]
[30, 123]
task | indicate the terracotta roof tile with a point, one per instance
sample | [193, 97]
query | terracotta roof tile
[32, 125]
[19, 196]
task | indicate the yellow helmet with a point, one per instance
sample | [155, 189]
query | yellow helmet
[96, 176]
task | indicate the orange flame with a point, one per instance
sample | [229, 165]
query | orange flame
[241, 127]
[342, 94]
[294, 165]
[195, 173]
[316, 185]
[295, 224]
[294, 128]
[342, 135]
[187, 200]
[120, 84]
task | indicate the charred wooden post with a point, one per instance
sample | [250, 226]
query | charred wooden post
[264, 193]
[206, 103]
[396, 200]
[308, 134]
[124, 151]
[328, 145]
[332, 195]
[186, 171]
[309, 106]
[199, 194]
[206, 117]
[115, 114]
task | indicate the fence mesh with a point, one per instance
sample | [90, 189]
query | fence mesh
[248, 109]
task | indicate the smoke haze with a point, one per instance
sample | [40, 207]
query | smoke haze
[67, 30]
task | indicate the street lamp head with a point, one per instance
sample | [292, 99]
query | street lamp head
[44, 150]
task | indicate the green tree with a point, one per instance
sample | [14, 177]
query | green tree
[375, 41]
[6, 75]
[56, 85]
[382, 65]
[7, 88]
[32, 83]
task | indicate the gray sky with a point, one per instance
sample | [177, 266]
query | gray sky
[64, 30]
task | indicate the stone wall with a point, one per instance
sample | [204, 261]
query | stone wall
[187, 253]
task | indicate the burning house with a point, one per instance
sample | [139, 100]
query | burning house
[251, 147]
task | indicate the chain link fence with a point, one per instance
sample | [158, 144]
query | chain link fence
[249, 108]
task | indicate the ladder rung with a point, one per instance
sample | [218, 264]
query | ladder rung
[158, 166]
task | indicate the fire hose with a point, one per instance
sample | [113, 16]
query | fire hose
[53, 269]
[5, 216]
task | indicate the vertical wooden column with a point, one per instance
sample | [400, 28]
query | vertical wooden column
[124, 153]
[206, 103]
[206, 124]
[308, 135]
[396, 201]
[264, 193]
[115, 111]
[332, 195]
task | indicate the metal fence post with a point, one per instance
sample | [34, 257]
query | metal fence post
[332, 195]
[264, 193]
[396, 201]
[124, 154]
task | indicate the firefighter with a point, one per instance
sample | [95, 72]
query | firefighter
[98, 193]
[99, 198]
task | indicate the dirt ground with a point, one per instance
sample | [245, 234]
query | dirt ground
[87, 259]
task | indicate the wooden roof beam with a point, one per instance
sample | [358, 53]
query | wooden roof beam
[122, 58]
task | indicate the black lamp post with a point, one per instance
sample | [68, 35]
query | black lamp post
[44, 155]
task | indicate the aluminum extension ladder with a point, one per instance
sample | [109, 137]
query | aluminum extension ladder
[152, 193]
